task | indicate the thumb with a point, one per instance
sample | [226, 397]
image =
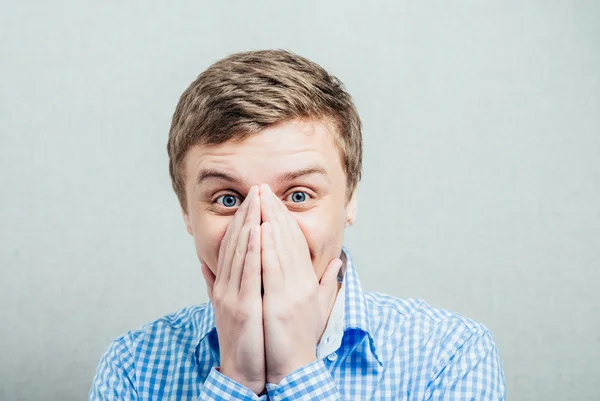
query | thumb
[209, 277]
[328, 283]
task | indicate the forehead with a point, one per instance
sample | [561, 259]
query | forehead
[285, 147]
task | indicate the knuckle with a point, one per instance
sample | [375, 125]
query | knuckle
[218, 294]
[252, 247]
[218, 298]
[241, 314]
[283, 312]
[239, 251]
[221, 296]
[228, 306]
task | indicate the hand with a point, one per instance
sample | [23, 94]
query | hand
[235, 292]
[295, 305]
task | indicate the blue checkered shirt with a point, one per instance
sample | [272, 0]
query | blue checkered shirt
[388, 349]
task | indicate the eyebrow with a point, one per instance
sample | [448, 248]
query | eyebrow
[289, 176]
[293, 175]
[217, 175]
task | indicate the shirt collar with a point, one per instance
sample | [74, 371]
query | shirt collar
[356, 316]
[206, 323]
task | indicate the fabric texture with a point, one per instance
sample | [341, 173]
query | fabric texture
[390, 349]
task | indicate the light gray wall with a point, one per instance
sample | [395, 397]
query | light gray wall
[481, 189]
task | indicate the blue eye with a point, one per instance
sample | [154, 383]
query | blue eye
[298, 196]
[228, 200]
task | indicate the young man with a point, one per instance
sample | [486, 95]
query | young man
[265, 155]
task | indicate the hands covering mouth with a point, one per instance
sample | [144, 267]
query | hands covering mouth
[270, 307]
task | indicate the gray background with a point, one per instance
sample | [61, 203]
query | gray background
[481, 189]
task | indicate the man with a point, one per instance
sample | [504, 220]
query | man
[265, 154]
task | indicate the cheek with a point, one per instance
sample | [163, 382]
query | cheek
[207, 238]
[324, 233]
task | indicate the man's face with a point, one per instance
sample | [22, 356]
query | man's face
[301, 163]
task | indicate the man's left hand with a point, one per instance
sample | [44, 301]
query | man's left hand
[295, 304]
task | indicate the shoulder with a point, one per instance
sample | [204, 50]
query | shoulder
[179, 328]
[165, 345]
[451, 350]
[414, 324]
[409, 311]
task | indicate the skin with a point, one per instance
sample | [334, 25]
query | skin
[269, 211]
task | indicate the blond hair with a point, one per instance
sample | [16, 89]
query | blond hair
[246, 92]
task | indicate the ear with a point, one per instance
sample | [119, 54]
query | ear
[351, 210]
[188, 225]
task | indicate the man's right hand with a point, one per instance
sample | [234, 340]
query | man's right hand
[235, 292]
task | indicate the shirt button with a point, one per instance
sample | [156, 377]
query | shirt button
[327, 340]
[332, 357]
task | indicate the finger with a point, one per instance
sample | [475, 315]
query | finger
[286, 216]
[272, 275]
[292, 234]
[267, 205]
[298, 245]
[330, 274]
[241, 248]
[273, 215]
[328, 283]
[209, 277]
[229, 241]
[295, 237]
[251, 280]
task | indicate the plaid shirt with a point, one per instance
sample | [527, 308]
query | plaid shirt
[389, 349]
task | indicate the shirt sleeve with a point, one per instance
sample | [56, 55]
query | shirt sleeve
[115, 380]
[311, 382]
[219, 387]
[473, 373]
[115, 376]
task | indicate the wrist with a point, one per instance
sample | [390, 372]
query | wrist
[278, 376]
[256, 385]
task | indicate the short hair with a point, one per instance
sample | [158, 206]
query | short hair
[247, 92]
